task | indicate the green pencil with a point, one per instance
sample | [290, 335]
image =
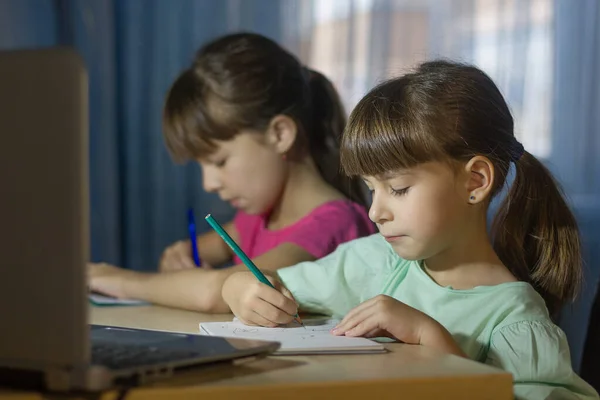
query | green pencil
[247, 261]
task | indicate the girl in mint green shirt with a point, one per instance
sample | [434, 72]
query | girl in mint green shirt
[434, 147]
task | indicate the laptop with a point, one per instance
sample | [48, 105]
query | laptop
[45, 337]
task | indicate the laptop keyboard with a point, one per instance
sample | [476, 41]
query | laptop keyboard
[117, 356]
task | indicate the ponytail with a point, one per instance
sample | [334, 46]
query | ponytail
[535, 234]
[328, 122]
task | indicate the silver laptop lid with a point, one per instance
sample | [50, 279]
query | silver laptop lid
[44, 238]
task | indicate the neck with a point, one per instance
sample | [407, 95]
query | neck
[469, 262]
[304, 190]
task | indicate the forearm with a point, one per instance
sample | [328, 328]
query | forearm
[196, 290]
[437, 337]
[213, 250]
[212, 256]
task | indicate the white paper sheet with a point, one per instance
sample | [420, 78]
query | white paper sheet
[295, 339]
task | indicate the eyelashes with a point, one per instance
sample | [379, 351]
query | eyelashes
[394, 192]
[400, 192]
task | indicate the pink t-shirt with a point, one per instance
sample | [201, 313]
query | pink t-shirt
[319, 233]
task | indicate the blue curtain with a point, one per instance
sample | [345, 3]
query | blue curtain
[133, 50]
[576, 136]
[27, 24]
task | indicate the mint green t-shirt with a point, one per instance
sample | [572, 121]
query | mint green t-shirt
[506, 326]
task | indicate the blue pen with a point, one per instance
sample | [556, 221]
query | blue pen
[193, 237]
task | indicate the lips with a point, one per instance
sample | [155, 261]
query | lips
[392, 238]
[234, 201]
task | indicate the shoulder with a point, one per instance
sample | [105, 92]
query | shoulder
[524, 330]
[344, 217]
[512, 302]
[327, 226]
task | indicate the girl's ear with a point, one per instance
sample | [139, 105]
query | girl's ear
[480, 179]
[281, 133]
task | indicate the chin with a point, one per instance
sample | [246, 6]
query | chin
[408, 253]
[253, 210]
[249, 210]
[408, 257]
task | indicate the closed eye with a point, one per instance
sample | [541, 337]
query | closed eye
[220, 163]
[400, 192]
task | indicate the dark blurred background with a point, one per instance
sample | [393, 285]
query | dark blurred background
[544, 55]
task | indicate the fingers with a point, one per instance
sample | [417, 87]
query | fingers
[363, 327]
[252, 309]
[177, 257]
[280, 288]
[270, 315]
[256, 319]
[375, 333]
[166, 261]
[256, 303]
[284, 291]
[357, 327]
[105, 279]
[184, 261]
[354, 318]
[277, 299]
[352, 314]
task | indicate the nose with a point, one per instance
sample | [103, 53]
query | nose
[379, 211]
[211, 181]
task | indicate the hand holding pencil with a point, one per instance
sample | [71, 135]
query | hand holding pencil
[255, 303]
[255, 299]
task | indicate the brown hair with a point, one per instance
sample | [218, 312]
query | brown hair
[242, 81]
[446, 111]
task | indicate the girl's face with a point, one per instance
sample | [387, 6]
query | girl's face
[246, 172]
[420, 211]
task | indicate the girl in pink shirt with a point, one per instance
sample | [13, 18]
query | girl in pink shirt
[265, 131]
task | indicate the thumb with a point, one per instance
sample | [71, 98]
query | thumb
[281, 288]
[287, 293]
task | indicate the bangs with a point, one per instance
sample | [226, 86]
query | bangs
[387, 132]
[191, 125]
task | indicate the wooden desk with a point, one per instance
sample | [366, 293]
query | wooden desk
[408, 372]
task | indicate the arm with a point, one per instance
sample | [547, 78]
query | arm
[334, 284]
[193, 289]
[331, 285]
[213, 251]
[385, 316]
[434, 335]
[537, 355]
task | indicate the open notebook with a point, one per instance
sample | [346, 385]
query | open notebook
[294, 339]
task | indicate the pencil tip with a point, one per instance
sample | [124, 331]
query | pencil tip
[298, 320]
